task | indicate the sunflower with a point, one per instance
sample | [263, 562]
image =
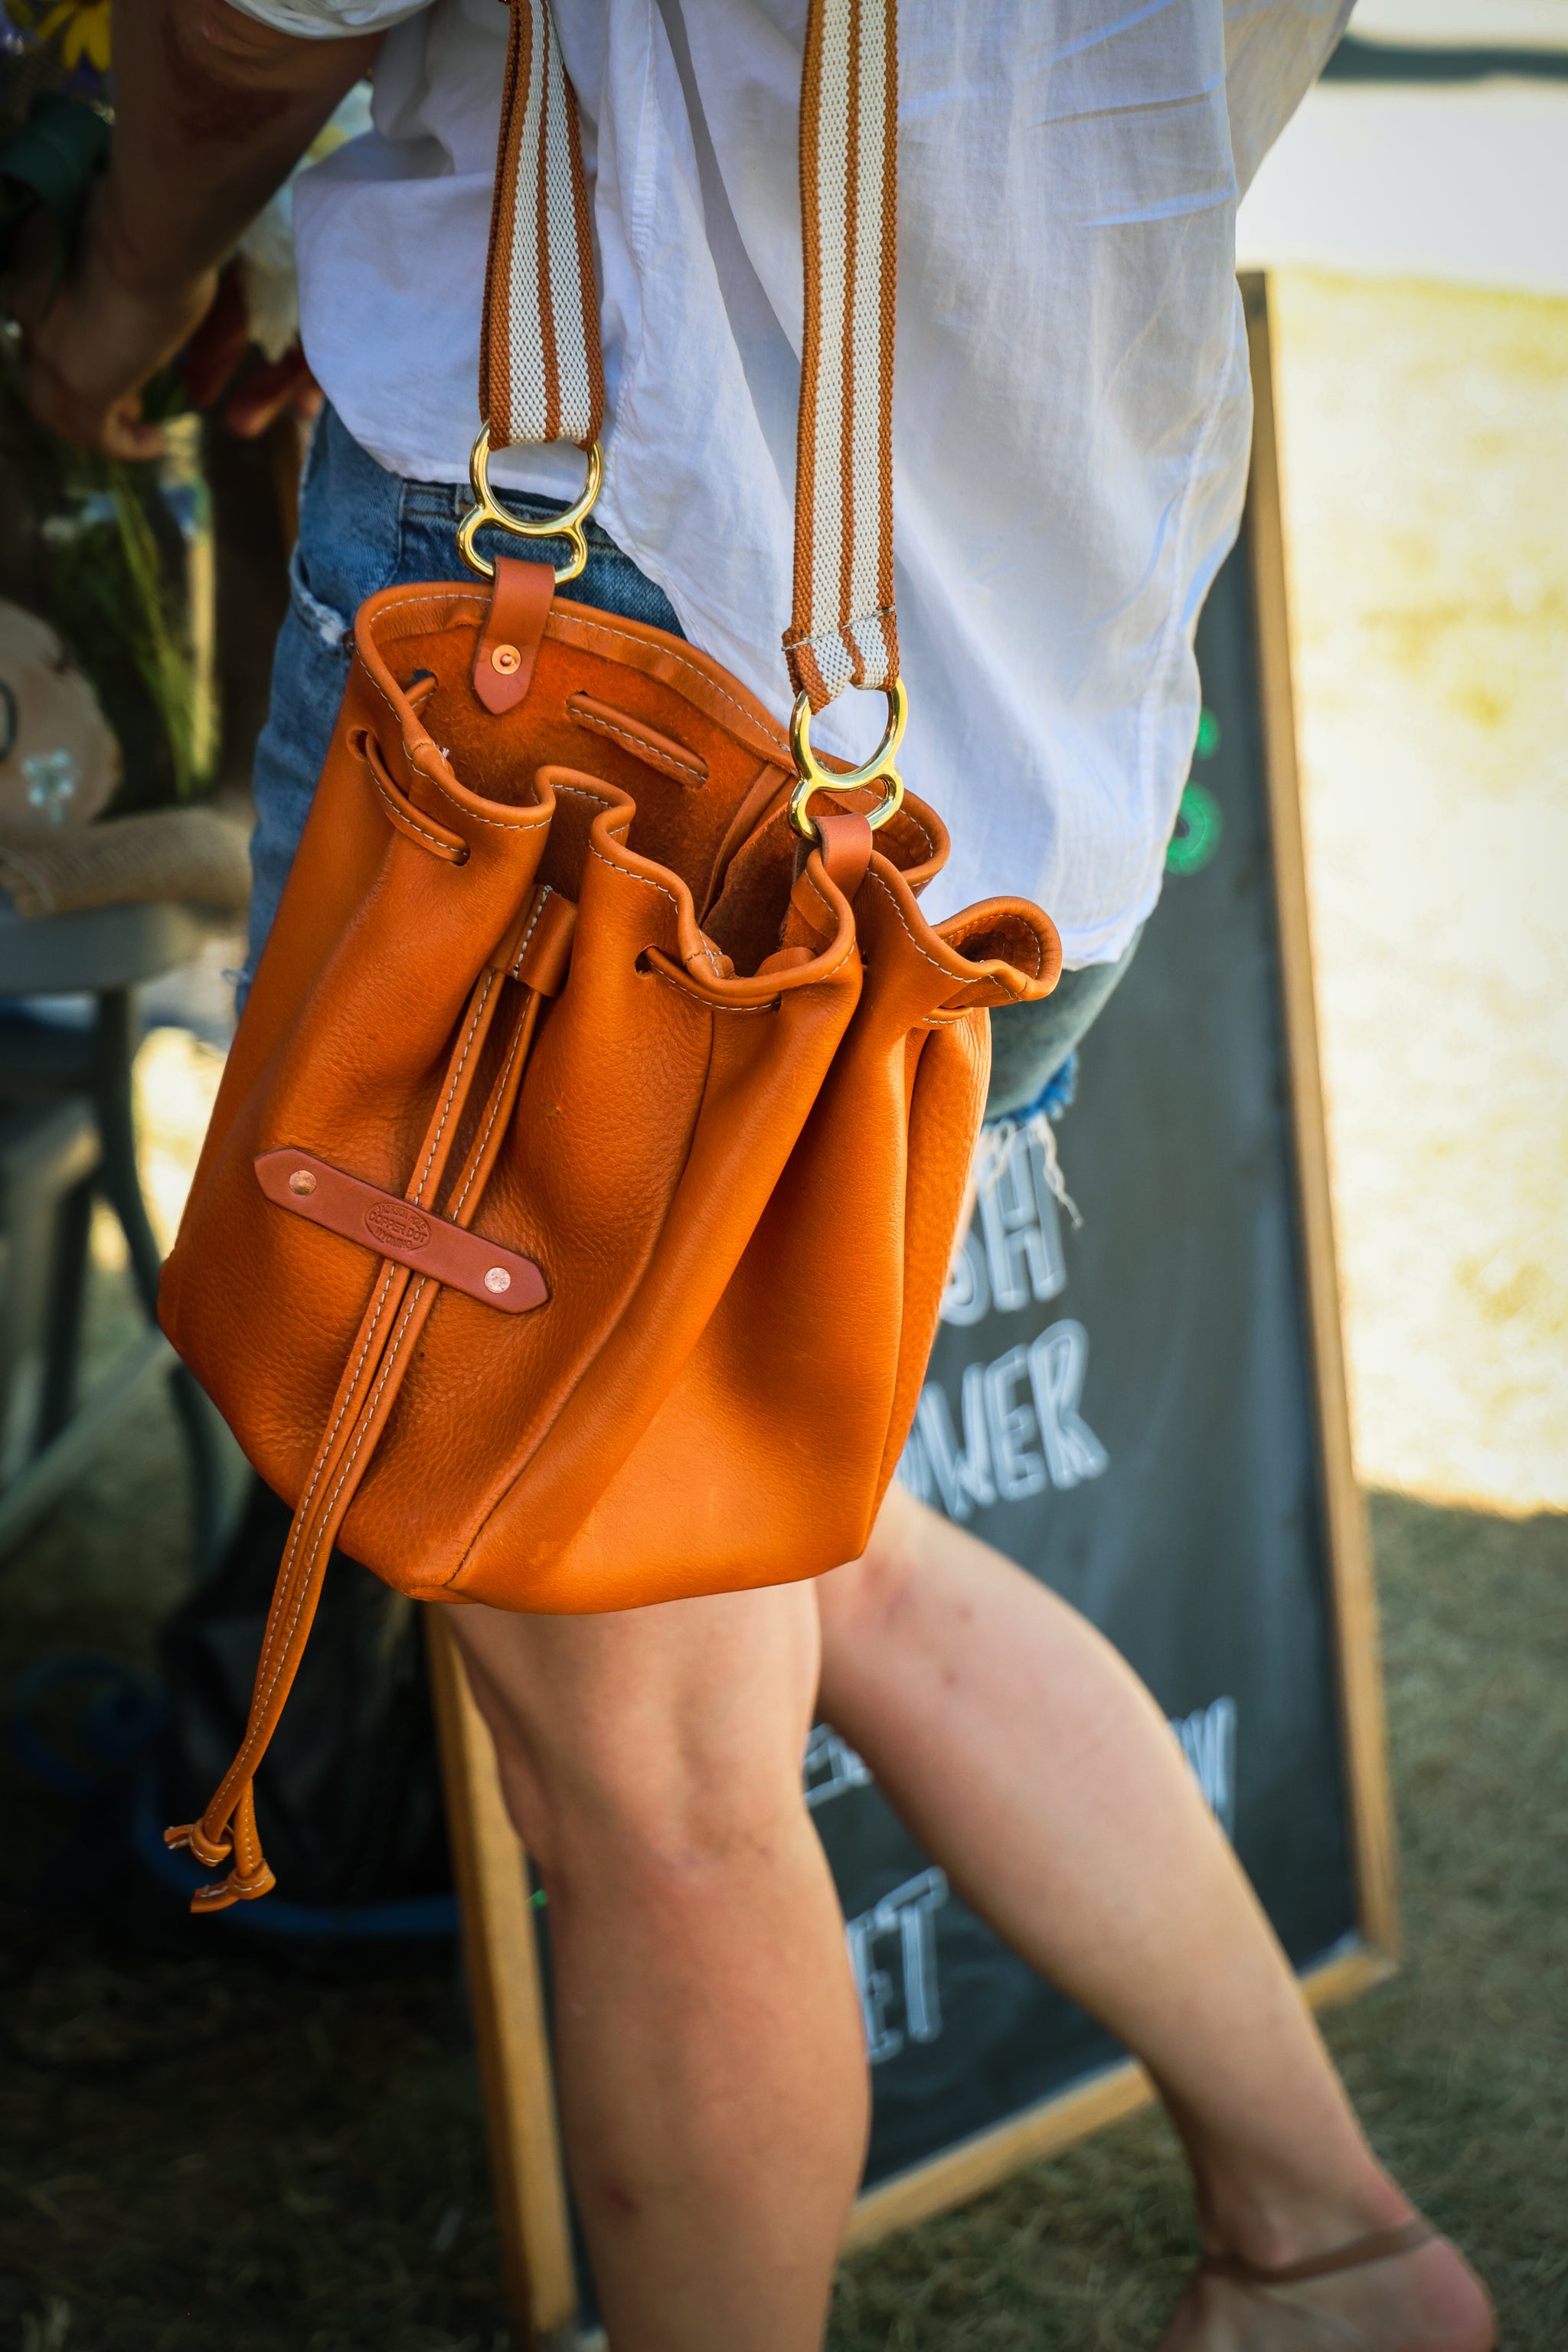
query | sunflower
[83, 28]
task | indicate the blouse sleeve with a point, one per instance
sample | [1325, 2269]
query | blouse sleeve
[328, 20]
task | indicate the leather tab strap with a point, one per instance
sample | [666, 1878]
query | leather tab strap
[513, 632]
[395, 1228]
[846, 841]
[537, 949]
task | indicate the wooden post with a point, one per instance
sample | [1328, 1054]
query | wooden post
[507, 2000]
[1353, 1589]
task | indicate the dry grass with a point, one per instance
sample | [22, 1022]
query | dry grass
[1460, 2066]
[197, 2155]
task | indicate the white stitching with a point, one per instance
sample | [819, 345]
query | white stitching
[705, 1003]
[825, 904]
[529, 824]
[647, 881]
[516, 965]
[620, 636]
[580, 793]
[951, 978]
[976, 978]
[326, 1446]
[1035, 937]
[452, 1083]
[477, 1156]
[391, 1358]
[454, 855]
[322, 1451]
[652, 753]
[906, 810]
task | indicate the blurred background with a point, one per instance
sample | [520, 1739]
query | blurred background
[1414, 218]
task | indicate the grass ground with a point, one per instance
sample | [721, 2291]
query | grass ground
[196, 2154]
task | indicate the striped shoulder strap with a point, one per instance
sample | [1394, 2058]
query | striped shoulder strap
[540, 371]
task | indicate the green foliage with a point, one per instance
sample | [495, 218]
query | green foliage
[118, 557]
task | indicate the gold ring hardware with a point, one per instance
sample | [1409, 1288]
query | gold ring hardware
[567, 526]
[878, 769]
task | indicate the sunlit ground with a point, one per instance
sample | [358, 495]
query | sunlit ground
[1425, 453]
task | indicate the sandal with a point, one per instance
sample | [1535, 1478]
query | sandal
[1381, 2246]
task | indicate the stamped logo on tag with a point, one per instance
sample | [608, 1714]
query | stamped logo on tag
[396, 1226]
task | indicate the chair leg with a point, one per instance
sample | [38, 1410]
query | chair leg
[115, 1051]
[218, 1474]
[67, 1290]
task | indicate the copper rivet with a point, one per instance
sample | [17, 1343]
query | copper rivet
[506, 658]
[302, 1180]
[497, 1279]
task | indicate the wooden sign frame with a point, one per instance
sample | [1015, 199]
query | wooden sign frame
[492, 1869]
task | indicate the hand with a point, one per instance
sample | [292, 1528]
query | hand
[222, 363]
[91, 344]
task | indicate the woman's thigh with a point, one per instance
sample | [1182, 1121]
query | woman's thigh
[666, 1734]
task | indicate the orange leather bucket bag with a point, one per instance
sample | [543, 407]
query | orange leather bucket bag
[575, 1210]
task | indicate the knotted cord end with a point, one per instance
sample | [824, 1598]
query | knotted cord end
[212, 1851]
[236, 1887]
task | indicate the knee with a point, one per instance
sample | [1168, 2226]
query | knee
[668, 1820]
[646, 1805]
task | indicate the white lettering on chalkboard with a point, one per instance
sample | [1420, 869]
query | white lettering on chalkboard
[1207, 1741]
[908, 1914]
[962, 1474]
[1014, 1444]
[1020, 1471]
[1012, 1250]
[832, 1766]
[1058, 1359]
[967, 1298]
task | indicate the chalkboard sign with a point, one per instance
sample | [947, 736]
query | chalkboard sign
[1147, 1413]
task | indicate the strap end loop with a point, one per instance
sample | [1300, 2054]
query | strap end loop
[485, 509]
[878, 769]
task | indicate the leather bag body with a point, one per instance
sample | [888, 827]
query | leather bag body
[740, 1186]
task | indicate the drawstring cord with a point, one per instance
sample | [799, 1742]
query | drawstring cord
[228, 1826]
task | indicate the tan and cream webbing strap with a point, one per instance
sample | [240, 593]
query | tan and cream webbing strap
[842, 631]
[542, 371]
[542, 376]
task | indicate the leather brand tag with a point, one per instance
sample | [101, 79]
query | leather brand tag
[310, 1187]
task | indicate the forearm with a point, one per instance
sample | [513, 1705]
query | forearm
[212, 112]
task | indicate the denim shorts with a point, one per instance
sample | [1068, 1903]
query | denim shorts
[361, 529]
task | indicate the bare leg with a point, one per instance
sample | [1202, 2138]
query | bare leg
[1035, 1766]
[710, 2063]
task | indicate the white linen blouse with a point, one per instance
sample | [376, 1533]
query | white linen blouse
[1073, 411]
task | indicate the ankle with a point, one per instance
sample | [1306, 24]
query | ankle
[1275, 2221]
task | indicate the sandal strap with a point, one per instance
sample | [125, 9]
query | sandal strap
[1379, 2247]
